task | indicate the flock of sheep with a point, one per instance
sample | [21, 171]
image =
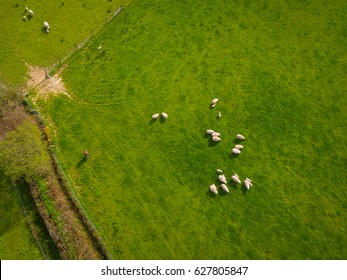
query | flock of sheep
[215, 136]
[235, 150]
[31, 14]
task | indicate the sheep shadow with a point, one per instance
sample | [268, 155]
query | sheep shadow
[44, 30]
[162, 120]
[244, 190]
[232, 155]
[212, 143]
[152, 121]
[210, 194]
[81, 162]
[237, 141]
[233, 184]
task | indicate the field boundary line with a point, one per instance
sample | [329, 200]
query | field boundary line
[63, 179]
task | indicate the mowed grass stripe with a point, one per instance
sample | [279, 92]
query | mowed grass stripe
[279, 83]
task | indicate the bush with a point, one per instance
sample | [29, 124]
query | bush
[23, 153]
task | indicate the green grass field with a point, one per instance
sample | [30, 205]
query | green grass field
[279, 70]
[24, 42]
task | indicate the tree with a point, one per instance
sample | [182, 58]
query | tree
[23, 153]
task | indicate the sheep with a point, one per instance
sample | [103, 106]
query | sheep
[213, 189]
[222, 179]
[219, 115]
[236, 151]
[219, 171]
[25, 18]
[240, 137]
[100, 47]
[248, 183]
[215, 134]
[46, 25]
[224, 188]
[31, 13]
[236, 178]
[26, 9]
[215, 100]
[155, 116]
[164, 115]
[216, 139]
[209, 131]
[239, 147]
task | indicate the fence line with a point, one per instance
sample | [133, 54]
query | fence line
[70, 193]
[93, 32]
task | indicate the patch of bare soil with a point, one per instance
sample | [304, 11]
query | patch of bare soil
[46, 86]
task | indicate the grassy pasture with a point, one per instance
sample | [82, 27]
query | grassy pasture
[279, 70]
[25, 42]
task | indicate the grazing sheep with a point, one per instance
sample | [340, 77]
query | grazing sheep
[155, 116]
[213, 105]
[219, 115]
[248, 183]
[222, 179]
[31, 13]
[46, 24]
[164, 115]
[216, 139]
[100, 47]
[25, 18]
[224, 188]
[239, 147]
[236, 151]
[240, 137]
[236, 178]
[209, 131]
[219, 171]
[215, 100]
[213, 189]
[214, 134]
[26, 9]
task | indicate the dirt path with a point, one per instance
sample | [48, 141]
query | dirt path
[43, 85]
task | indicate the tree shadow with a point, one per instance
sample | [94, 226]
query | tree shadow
[81, 162]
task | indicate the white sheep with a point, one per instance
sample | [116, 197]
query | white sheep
[224, 188]
[236, 151]
[240, 137]
[248, 183]
[31, 13]
[215, 100]
[46, 25]
[155, 116]
[209, 131]
[219, 115]
[213, 189]
[214, 134]
[239, 147]
[236, 178]
[25, 18]
[164, 115]
[213, 105]
[99, 48]
[222, 179]
[216, 139]
[26, 8]
[219, 171]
